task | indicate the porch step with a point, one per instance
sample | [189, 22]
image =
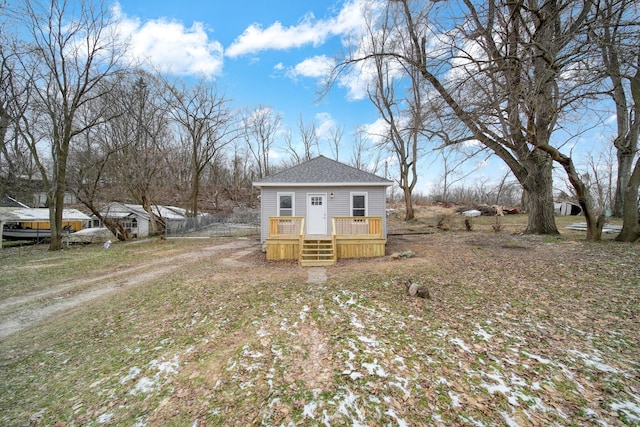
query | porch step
[316, 263]
[317, 252]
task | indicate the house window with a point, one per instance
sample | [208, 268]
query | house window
[285, 204]
[358, 204]
[316, 200]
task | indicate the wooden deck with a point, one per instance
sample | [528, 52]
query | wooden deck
[351, 237]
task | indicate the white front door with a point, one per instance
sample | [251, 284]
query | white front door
[316, 213]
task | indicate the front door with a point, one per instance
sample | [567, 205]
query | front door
[316, 213]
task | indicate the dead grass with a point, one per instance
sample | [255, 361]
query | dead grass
[520, 330]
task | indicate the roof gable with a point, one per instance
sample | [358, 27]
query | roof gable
[319, 171]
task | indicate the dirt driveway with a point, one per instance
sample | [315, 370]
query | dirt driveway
[21, 312]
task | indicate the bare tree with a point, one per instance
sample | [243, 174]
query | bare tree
[335, 140]
[69, 50]
[205, 118]
[363, 155]
[139, 140]
[89, 178]
[618, 39]
[454, 158]
[309, 139]
[599, 176]
[506, 71]
[241, 173]
[261, 126]
[15, 159]
[403, 116]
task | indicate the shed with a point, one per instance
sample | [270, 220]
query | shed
[137, 221]
[322, 210]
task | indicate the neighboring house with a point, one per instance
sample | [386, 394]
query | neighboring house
[33, 223]
[137, 221]
[323, 210]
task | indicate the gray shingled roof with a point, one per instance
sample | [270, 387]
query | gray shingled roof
[322, 170]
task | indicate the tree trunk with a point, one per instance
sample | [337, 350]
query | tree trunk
[56, 210]
[195, 193]
[153, 219]
[625, 164]
[408, 203]
[540, 209]
[539, 195]
[630, 225]
[594, 224]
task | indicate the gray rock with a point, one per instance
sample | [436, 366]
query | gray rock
[407, 254]
[413, 289]
[423, 292]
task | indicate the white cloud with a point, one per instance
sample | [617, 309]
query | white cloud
[358, 80]
[171, 47]
[317, 67]
[376, 131]
[325, 125]
[481, 164]
[308, 31]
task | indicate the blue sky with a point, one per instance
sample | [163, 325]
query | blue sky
[273, 53]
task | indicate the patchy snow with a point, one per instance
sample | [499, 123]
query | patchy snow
[354, 375]
[461, 344]
[375, 369]
[168, 367]
[402, 384]
[348, 406]
[144, 385]
[309, 410]
[350, 302]
[400, 421]
[630, 409]
[104, 418]
[594, 361]
[372, 342]
[498, 387]
[510, 422]
[133, 373]
[540, 359]
[303, 313]
[484, 335]
[386, 371]
[355, 322]
[455, 400]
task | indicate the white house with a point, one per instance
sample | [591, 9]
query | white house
[322, 210]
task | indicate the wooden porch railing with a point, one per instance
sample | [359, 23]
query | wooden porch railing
[357, 225]
[351, 237]
[286, 226]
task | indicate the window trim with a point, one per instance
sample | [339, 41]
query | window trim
[366, 202]
[293, 202]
